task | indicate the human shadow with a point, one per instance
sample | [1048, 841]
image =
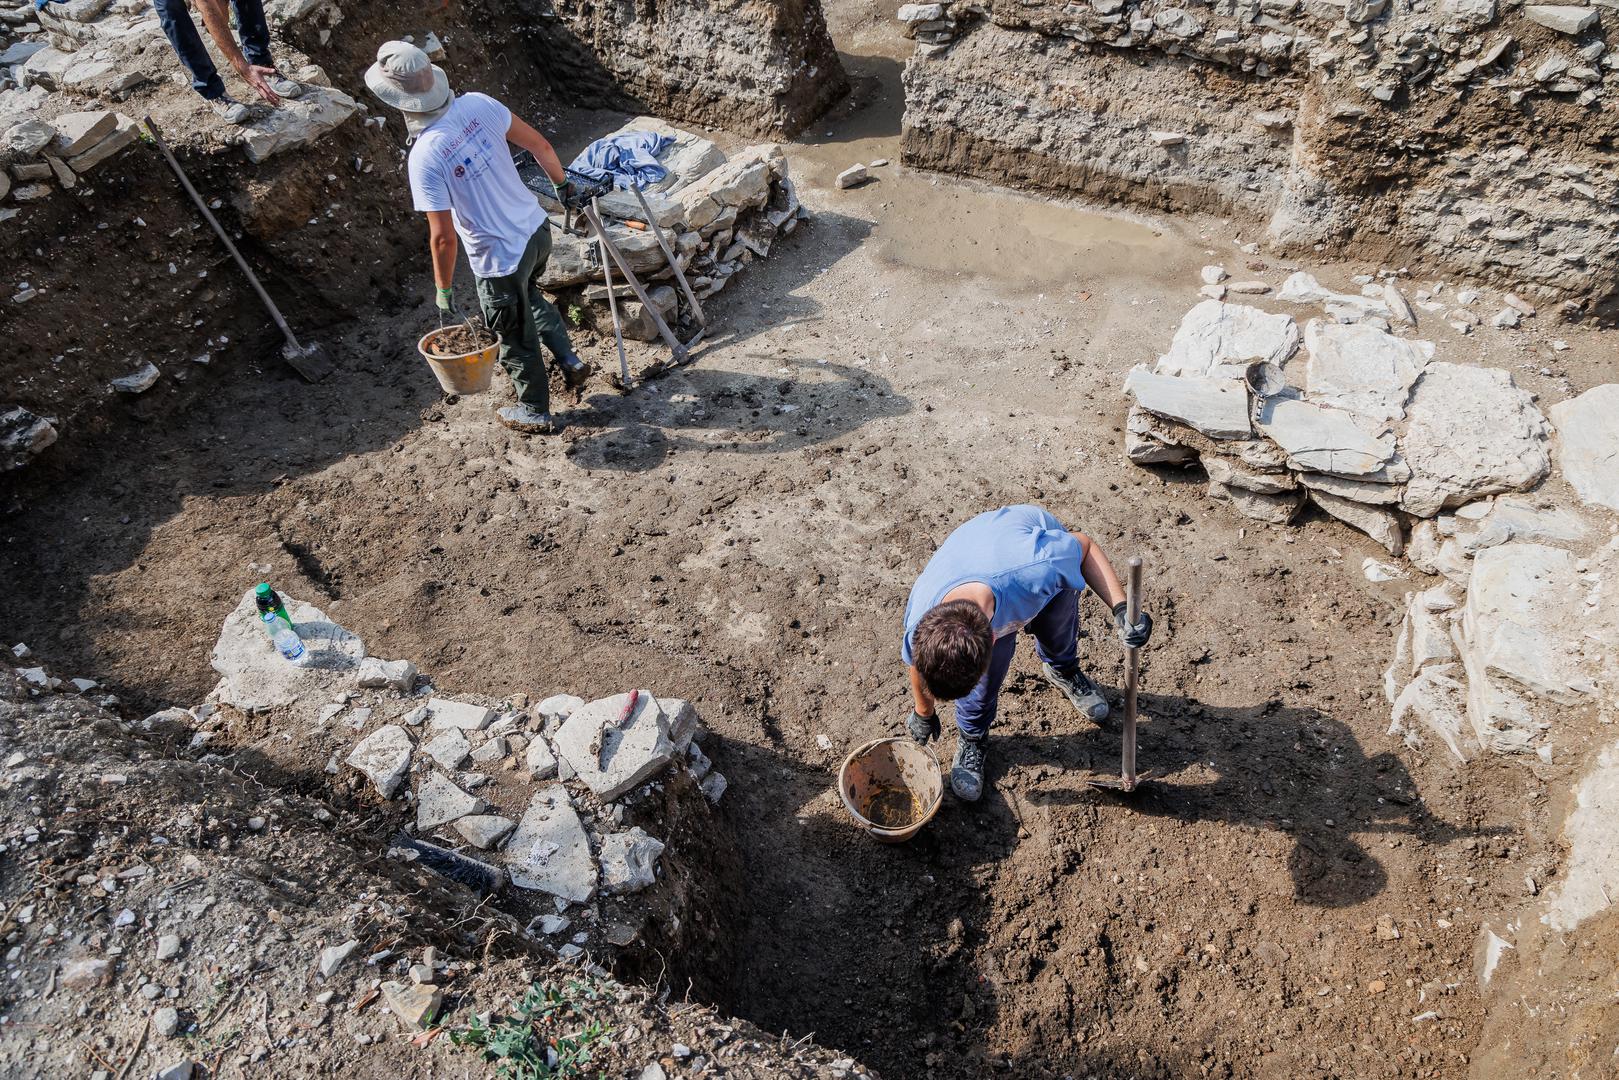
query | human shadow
[1295, 770]
[709, 410]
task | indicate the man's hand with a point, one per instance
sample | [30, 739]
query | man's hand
[1133, 636]
[258, 78]
[923, 728]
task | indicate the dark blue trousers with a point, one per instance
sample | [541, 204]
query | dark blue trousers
[253, 31]
[1055, 631]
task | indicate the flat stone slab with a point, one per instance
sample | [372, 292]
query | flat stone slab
[378, 674]
[1518, 596]
[684, 723]
[297, 122]
[550, 851]
[255, 676]
[1588, 444]
[1223, 339]
[484, 831]
[1590, 877]
[538, 759]
[1470, 432]
[449, 749]
[629, 861]
[443, 713]
[1435, 703]
[384, 757]
[1381, 525]
[613, 758]
[439, 802]
[1216, 407]
[1324, 440]
[1362, 369]
[1564, 18]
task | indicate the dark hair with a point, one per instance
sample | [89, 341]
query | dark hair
[951, 646]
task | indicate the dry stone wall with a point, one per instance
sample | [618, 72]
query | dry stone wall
[1465, 137]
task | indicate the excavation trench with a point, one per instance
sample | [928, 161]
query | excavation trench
[742, 533]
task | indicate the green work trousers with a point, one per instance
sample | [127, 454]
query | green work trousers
[522, 318]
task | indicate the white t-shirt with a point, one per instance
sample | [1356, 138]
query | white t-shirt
[461, 164]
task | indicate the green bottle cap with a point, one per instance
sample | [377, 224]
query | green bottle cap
[263, 589]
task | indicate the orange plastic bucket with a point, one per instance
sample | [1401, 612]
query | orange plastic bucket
[891, 787]
[466, 373]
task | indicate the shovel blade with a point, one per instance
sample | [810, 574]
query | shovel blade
[310, 361]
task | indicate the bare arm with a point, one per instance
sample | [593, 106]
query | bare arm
[441, 242]
[919, 694]
[520, 134]
[1099, 573]
[216, 17]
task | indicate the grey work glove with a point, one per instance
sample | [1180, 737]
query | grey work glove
[923, 728]
[448, 313]
[1133, 636]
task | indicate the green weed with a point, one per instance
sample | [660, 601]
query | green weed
[550, 1034]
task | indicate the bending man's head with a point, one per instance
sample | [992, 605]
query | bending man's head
[951, 647]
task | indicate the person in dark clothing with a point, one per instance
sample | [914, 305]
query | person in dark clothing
[251, 60]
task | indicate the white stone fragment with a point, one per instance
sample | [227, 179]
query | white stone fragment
[550, 851]
[1217, 339]
[1588, 444]
[384, 757]
[376, 673]
[1362, 369]
[1218, 407]
[614, 756]
[439, 802]
[629, 861]
[444, 713]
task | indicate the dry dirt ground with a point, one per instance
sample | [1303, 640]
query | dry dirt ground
[743, 532]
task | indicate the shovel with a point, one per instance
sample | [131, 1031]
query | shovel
[1128, 779]
[311, 360]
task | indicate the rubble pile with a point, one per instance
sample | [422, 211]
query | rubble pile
[1370, 427]
[1295, 113]
[716, 213]
[166, 914]
[542, 794]
[1447, 464]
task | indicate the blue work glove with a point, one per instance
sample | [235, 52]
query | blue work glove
[1133, 636]
[923, 728]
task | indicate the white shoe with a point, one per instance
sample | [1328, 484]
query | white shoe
[284, 87]
[229, 110]
[529, 420]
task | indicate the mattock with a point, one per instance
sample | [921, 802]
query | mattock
[1128, 779]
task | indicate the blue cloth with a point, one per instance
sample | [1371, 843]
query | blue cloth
[175, 18]
[1056, 632]
[1022, 553]
[630, 159]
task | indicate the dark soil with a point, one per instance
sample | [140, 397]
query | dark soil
[451, 342]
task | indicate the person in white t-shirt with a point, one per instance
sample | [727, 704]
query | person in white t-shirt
[463, 178]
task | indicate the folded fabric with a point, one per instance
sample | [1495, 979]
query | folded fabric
[630, 159]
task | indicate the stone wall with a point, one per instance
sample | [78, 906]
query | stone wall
[1448, 136]
[746, 65]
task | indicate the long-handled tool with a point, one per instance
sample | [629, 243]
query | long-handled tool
[310, 360]
[1127, 774]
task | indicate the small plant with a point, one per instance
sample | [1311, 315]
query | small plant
[551, 1034]
[576, 314]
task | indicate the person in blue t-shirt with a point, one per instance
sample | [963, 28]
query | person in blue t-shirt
[1007, 570]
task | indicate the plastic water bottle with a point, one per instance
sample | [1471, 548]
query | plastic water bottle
[273, 617]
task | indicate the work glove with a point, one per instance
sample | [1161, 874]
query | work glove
[448, 313]
[1133, 636]
[923, 728]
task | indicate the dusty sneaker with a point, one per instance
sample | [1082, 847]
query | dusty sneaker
[529, 420]
[967, 770]
[229, 110]
[283, 86]
[1079, 690]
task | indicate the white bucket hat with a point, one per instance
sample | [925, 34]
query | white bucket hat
[405, 78]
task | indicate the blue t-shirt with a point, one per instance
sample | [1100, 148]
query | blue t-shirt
[462, 164]
[1022, 553]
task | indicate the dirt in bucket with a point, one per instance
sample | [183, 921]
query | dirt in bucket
[458, 340]
[892, 807]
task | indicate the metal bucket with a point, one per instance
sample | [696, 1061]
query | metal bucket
[467, 373]
[891, 787]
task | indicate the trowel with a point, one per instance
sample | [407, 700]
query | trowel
[1128, 780]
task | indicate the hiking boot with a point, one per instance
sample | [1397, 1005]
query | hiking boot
[575, 372]
[229, 110]
[1079, 690]
[283, 86]
[529, 420]
[967, 770]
